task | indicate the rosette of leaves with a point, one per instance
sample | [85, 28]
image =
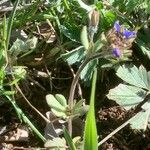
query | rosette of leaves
[132, 92]
[59, 106]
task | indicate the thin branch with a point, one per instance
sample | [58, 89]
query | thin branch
[116, 130]
[77, 75]
[20, 91]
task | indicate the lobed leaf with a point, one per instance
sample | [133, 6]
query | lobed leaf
[56, 107]
[140, 121]
[134, 76]
[127, 96]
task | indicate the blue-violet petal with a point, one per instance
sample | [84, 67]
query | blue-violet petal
[128, 34]
[117, 26]
[116, 52]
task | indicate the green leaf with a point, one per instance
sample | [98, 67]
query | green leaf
[99, 5]
[142, 118]
[131, 5]
[140, 121]
[4, 31]
[80, 111]
[100, 43]
[7, 92]
[79, 104]
[69, 140]
[110, 17]
[134, 76]
[71, 31]
[31, 43]
[87, 72]
[74, 56]
[56, 107]
[56, 144]
[53, 103]
[59, 113]
[61, 99]
[2, 75]
[84, 38]
[90, 131]
[18, 47]
[2, 62]
[19, 72]
[127, 96]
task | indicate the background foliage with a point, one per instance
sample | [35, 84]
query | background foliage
[43, 44]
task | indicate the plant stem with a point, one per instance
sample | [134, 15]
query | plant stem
[72, 91]
[74, 84]
[75, 81]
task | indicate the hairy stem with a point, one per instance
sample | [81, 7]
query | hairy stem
[74, 84]
[75, 81]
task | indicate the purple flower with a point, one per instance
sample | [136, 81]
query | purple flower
[116, 52]
[128, 34]
[117, 26]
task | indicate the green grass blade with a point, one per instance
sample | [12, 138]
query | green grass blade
[4, 34]
[90, 131]
[69, 140]
[66, 4]
[4, 29]
[10, 22]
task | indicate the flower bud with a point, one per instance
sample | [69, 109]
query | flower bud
[93, 20]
